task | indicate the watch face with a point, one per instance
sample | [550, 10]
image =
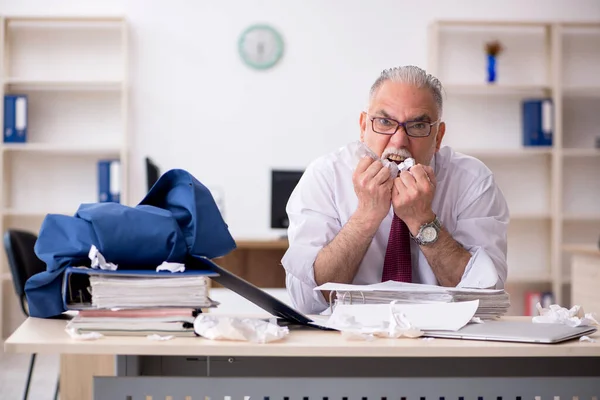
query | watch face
[428, 234]
[260, 46]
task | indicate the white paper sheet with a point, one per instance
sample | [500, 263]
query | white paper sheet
[442, 316]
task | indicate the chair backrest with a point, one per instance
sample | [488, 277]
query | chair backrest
[23, 262]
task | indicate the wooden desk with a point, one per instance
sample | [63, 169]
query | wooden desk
[257, 261]
[585, 277]
[193, 368]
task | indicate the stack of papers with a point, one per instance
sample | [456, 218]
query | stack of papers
[493, 303]
[136, 322]
[110, 291]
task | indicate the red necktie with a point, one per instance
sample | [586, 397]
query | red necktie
[397, 265]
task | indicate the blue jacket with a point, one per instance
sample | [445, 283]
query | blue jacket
[178, 217]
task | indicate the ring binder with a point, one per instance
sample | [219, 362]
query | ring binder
[493, 303]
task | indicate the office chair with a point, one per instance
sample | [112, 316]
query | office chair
[23, 264]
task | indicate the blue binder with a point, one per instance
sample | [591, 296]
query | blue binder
[538, 122]
[15, 118]
[76, 281]
[109, 187]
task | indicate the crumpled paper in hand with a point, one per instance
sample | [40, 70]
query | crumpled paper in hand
[560, 315]
[398, 326]
[360, 150]
[243, 329]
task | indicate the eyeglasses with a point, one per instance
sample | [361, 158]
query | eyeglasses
[388, 126]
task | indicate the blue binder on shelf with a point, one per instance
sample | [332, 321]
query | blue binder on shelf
[15, 118]
[538, 121]
[109, 182]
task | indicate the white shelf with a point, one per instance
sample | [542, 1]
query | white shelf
[61, 149]
[583, 217]
[74, 71]
[582, 91]
[87, 19]
[507, 153]
[530, 216]
[545, 59]
[70, 85]
[522, 277]
[12, 212]
[591, 152]
[496, 89]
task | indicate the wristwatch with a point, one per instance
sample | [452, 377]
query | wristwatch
[428, 233]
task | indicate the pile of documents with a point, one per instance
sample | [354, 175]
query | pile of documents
[136, 322]
[129, 291]
[493, 303]
[135, 302]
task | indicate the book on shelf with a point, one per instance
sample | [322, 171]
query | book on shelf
[15, 118]
[109, 181]
[532, 298]
[537, 122]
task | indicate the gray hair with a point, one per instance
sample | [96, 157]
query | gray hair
[414, 76]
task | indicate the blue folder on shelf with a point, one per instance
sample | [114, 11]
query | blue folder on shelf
[15, 118]
[538, 121]
[76, 282]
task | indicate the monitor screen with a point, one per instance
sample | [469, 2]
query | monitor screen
[282, 185]
[152, 173]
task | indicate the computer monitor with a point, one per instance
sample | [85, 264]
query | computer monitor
[152, 173]
[283, 183]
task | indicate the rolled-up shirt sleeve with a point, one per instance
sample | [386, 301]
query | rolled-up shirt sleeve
[481, 228]
[313, 223]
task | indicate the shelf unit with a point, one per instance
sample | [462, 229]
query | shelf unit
[74, 71]
[551, 191]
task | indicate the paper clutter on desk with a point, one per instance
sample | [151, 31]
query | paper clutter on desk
[559, 315]
[243, 329]
[368, 321]
[83, 336]
[398, 326]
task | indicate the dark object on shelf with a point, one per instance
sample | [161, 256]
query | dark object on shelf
[152, 173]
[15, 118]
[282, 186]
[538, 118]
[492, 49]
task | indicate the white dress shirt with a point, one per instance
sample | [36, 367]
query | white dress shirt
[467, 201]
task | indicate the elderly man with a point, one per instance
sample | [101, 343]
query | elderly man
[442, 222]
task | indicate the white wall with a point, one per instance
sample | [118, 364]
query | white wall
[194, 105]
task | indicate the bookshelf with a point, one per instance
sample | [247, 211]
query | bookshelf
[74, 72]
[551, 191]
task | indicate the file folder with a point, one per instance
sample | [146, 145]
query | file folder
[537, 122]
[15, 118]
[109, 184]
[76, 292]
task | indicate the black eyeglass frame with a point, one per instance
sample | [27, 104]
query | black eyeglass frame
[403, 124]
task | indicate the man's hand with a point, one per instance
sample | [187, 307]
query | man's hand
[412, 195]
[373, 187]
